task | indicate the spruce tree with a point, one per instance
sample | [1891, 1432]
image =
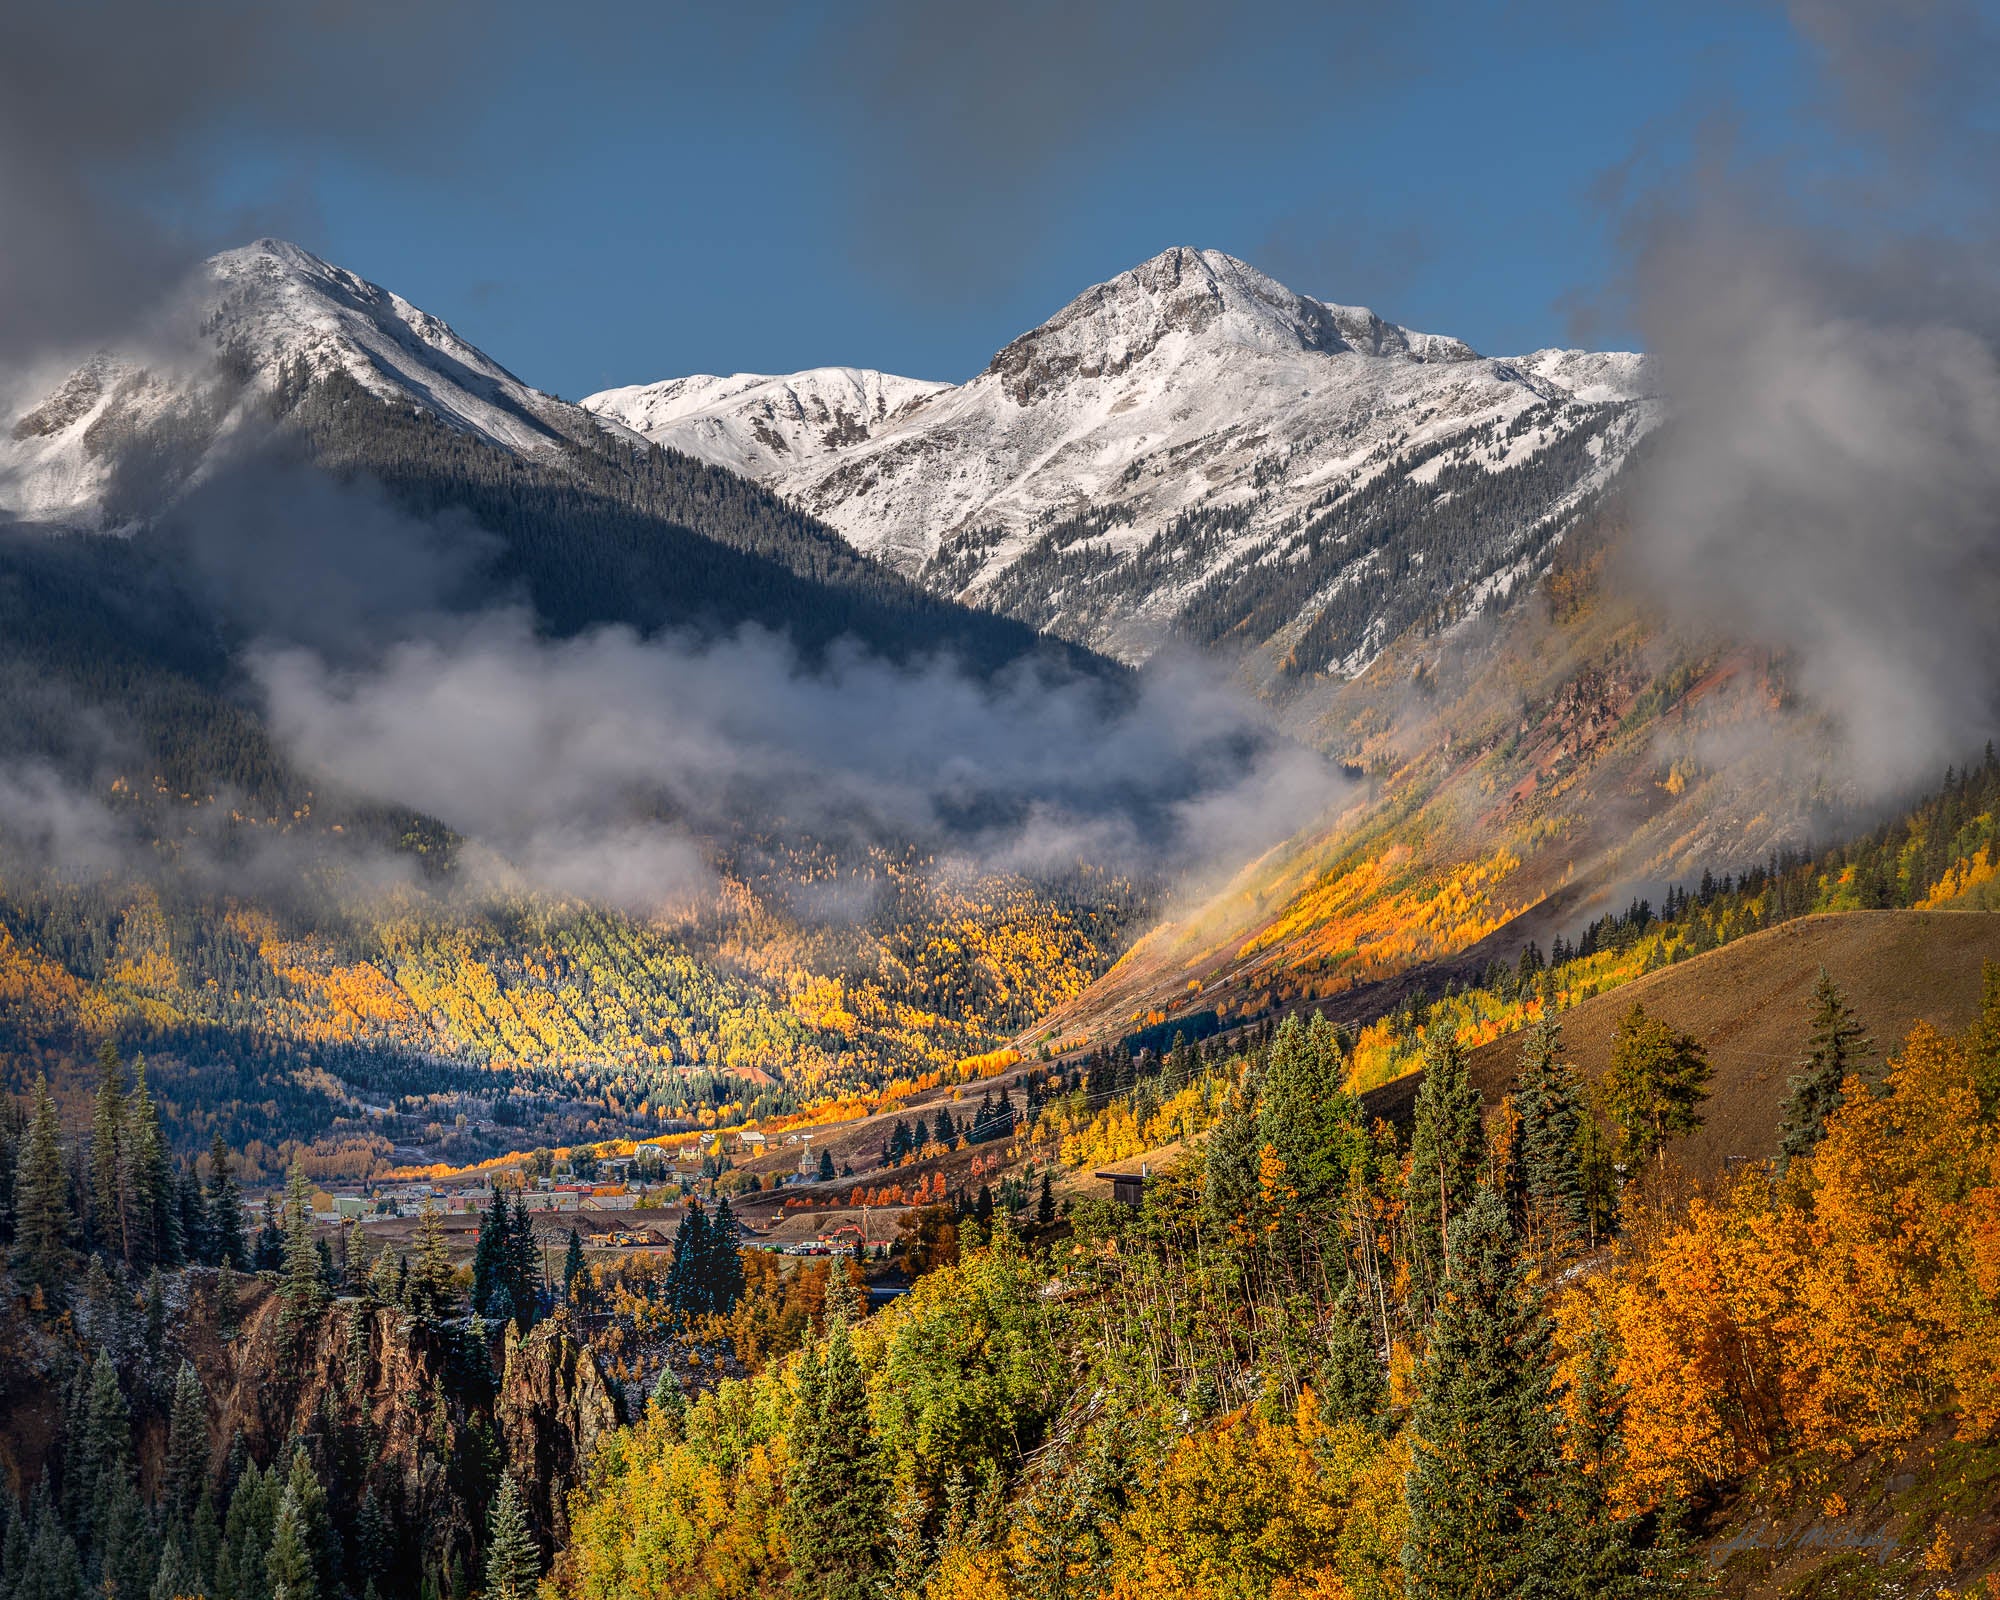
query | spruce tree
[668, 1403]
[152, 1231]
[288, 1564]
[225, 1209]
[1654, 1087]
[106, 1216]
[371, 1545]
[303, 1288]
[1309, 1119]
[127, 1554]
[513, 1561]
[725, 1260]
[191, 1216]
[686, 1287]
[187, 1448]
[354, 1258]
[1447, 1151]
[1836, 1046]
[1486, 1464]
[429, 1293]
[97, 1451]
[246, 1536]
[42, 1222]
[576, 1278]
[52, 1568]
[1548, 1097]
[1229, 1166]
[177, 1574]
[523, 1266]
[1352, 1384]
[836, 1494]
[489, 1254]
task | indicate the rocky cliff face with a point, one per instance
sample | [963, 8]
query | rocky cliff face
[423, 1418]
[552, 1408]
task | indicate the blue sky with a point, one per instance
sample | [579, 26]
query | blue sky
[627, 194]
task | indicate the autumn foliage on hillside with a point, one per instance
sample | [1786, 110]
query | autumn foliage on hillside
[1330, 1360]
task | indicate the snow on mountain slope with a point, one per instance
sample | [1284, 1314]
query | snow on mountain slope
[250, 320]
[1190, 448]
[760, 425]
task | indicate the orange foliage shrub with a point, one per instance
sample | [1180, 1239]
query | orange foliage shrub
[1846, 1309]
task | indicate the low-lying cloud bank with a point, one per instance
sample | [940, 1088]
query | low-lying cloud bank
[598, 765]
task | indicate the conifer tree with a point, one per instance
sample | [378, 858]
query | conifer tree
[1836, 1046]
[177, 1575]
[354, 1257]
[187, 1448]
[513, 1562]
[98, 1455]
[1654, 1087]
[725, 1261]
[836, 1496]
[1597, 1174]
[191, 1216]
[1351, 1382]
[1229, 1165]
[1485, 1471]
[1548, 1098]
[246, 1536]
[152, 1232]
[225, 1209]
[576, 1277]
[42, 1222]
[1447, 1150]
[686, 1287]
[127, 1556]
[106, 1216]
[303, 1288]
[490, 1253]
[368, 1550]
[428, 1292]
[524, 1266]
[668, 1402]
[1307, 1116]
[52, 1567]
[288, 1564]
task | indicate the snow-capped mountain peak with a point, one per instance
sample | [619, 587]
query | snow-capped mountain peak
[1184, 299]
[245, 321]
[1189, 447]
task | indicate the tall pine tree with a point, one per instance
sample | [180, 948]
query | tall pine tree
[106, 1216]
[1485, 1479]
[836, 1492]
[303, 1287]
[1447, 1150]
[1548, 1180]
[225, 1209]
[1836, 1046]
[42, 1220]
[513, 1562]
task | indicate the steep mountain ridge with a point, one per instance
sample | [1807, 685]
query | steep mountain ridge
[127, 429]
[1191, 449]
